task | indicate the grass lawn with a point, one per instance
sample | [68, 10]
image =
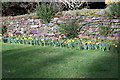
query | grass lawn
[24, 61]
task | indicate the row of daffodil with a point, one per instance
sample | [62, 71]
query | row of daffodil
[70, 43]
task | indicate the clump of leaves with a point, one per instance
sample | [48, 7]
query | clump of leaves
[4, 29]
[113, 10]
[70, 29]
[46, 11]
[104, 30]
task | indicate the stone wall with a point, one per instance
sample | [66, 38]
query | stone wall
[34, 26]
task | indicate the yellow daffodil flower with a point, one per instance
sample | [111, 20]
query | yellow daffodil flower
[43, 36]
[29, 37]
[52, 39]
[89, 42]
[21, 39]
[25, 38]
[97, 43]
[17, 38]
[0, 34]
[60, 37]
[80, 39]
[0, 37]
[73, 40]
[42, 39]
[36, 38]
[98, 37]
[116, 46]
[65, 42]
[69, 41]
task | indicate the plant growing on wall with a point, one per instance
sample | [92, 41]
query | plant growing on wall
[46, 11]
[104, 30]
[70, 29]
[113, 10]
[4, 29]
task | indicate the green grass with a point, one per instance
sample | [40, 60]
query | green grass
[24, 61]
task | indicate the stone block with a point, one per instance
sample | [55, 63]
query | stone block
[34, 26]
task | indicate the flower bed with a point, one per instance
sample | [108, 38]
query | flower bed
[59, 42]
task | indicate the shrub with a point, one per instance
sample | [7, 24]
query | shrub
[4, 29]
[113, 10]
[46, 11]
[104, 30]
[70, 29]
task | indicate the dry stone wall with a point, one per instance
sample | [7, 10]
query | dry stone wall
[35, 27]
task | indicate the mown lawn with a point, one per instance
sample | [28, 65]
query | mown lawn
[24, 61]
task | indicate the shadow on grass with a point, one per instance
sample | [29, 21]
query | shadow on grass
[104, 67]
[16, 64]
[107, 66]
[32, 62]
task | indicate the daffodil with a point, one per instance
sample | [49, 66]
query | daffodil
[36, 38]
[73, 40]
[25, 38]
[60, 37]
[116, 46]
[0, 34]
[43, 36]
[0, 37]
[29, 37]
[42, 39]
[113, 44]
[52, 39]
[69, 41]
[17, 38]
[80, 39]
[65, 42]
[21, 39]
[97, 43]
[89, 42]
[98, 37]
